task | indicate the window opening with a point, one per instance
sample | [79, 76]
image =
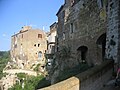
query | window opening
[39, 54]
[71, 28]
[39, 35]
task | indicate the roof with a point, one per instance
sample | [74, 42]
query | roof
[26, 29]
[55, 23]
[60, 9]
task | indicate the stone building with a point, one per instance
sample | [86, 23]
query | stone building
[51, 43]
[51, 39]
[28, 47]
[91, 29]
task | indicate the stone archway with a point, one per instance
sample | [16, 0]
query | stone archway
[101, 43]
[82, 54]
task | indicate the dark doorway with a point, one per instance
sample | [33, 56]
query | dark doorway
[82, 53]
[101, 41]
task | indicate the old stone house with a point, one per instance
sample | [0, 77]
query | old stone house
[51, 44]
[91, 29]
[28, 47]
[51, 39]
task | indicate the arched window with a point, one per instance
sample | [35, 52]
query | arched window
[39, 55]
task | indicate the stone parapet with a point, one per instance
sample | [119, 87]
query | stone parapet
[92, 79]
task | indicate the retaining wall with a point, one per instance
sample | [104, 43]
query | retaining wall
[92, 79]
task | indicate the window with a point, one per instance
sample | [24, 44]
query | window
[39, 45]
[39, 54]
[22, 35]
[39, 35]
[71, 28]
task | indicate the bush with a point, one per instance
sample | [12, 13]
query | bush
[30, 82]
[43, 83]
[37, 67]
[4, 58]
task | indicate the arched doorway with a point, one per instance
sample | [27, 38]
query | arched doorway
[101, 42]
[82, 54]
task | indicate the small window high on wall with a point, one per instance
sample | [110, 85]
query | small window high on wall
[71, 28]
[39, 35]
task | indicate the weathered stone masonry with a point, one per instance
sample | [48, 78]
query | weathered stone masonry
[113, 34]
[83, 25]
[28, 47]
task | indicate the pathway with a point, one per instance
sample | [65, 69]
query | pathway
[111, 85]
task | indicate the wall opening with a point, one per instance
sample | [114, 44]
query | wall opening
[22, 35]
[39, 35]
[39, 45]
[82, 54]
[39, 55]
[101, 42]
[71, 28]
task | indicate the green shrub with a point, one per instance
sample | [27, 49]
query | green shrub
[37, 67]
[4, 58]
[30, 82]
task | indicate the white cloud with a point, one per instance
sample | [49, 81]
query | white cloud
[4, 35]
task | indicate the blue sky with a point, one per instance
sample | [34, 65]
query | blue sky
[16, 13]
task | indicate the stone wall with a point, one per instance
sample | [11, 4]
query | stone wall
[8, 81]
[113, 42]
[96, 77]
[28, 47]
[92, 79]
[51, 39]
[87, 19]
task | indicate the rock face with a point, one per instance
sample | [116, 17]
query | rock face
[8, 81]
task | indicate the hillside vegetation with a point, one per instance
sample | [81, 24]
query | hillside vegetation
[4, 58]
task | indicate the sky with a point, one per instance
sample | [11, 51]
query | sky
[17, 13]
